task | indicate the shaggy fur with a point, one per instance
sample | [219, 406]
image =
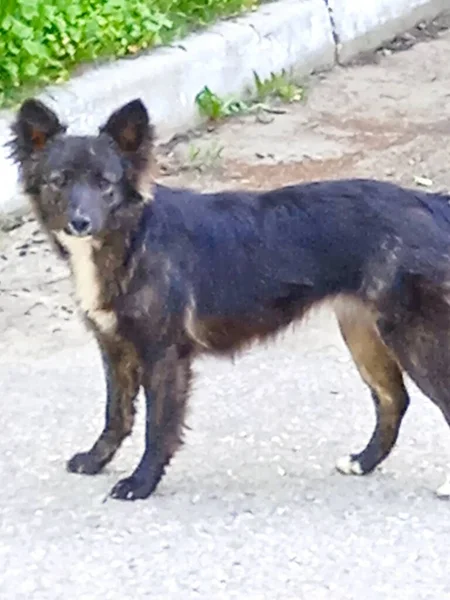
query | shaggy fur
[165, 274]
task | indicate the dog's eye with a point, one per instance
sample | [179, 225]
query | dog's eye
[110, 177]
[106, 186]
[57, 179]
[103, 183]
[106, 182]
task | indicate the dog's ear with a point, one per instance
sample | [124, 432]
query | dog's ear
[132, 131]
[34, 126]
[130, 127]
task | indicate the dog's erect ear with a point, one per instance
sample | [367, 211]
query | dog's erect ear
[35, 125]
[130, 127]
[133, 133]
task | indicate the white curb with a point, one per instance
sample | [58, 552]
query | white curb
[362, 25]
[295, 35]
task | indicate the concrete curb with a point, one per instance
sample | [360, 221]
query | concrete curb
[363, 28]
[300, 36]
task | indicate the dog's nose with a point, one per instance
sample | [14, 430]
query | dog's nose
[80, 225]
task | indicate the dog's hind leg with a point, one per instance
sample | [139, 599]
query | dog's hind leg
[420, 341]
[381, 373]
[443, 490]
[166, 386]
[122, 376]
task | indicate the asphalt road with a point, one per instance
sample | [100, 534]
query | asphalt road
[252, 506]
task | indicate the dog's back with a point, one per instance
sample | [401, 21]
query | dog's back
[331, 237]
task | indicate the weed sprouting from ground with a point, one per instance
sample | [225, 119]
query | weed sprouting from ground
[277, 87]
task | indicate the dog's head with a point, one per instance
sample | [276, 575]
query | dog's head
[84, 185]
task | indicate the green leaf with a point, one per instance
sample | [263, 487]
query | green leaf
[29, 9]
[31, 70]
[34, 48]
[12, 69]
[20, 30]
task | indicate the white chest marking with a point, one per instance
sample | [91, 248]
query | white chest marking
[87, 284]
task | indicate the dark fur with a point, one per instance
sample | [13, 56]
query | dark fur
[186, 273]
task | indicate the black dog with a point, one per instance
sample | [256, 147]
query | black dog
[165, 274]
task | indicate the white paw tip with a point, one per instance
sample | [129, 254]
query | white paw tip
[348, 466]
[443, 490]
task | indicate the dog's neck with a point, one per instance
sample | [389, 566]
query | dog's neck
[102, 268]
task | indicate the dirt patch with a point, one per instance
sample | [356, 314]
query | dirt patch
[266, 176]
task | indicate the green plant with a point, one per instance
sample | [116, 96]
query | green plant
[42, 41]
[214, 107]
[203, 158]
[277, 86]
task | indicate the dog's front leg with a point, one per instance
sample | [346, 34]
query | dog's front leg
[122, 372]
[166, 384]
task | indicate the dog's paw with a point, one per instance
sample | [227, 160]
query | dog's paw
[348, 465]
[132, 488]
[443, 491]
[84, 462]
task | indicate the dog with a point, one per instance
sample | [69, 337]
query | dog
[164, 274]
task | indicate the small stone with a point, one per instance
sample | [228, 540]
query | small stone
[423, 181]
